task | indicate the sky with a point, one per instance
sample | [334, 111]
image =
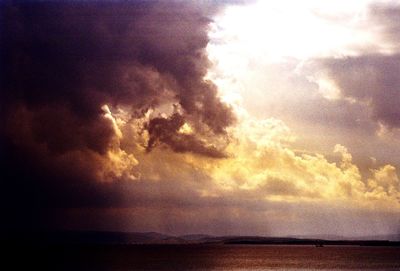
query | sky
[270, 118]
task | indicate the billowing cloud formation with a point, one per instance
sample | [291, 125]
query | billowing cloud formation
[64, 61]
[108, 123]
[263, 187]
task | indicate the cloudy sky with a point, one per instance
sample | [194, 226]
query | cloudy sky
[269, 117]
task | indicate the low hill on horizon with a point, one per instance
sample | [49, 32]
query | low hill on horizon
[130, 238]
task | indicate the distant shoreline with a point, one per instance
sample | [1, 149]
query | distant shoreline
[320, 243]
[154, 238]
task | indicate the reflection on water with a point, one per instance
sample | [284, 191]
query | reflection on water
[219, 257]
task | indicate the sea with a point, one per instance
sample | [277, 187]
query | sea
[219, 257]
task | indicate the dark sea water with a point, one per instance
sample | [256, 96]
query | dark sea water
[216, 257]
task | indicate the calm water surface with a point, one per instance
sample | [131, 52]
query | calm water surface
[227, 257]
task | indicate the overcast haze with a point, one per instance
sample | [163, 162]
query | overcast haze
[253, 118]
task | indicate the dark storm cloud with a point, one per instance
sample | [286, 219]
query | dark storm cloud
[62, 61]
[82, 55]
[166, 130]
[373, 79]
